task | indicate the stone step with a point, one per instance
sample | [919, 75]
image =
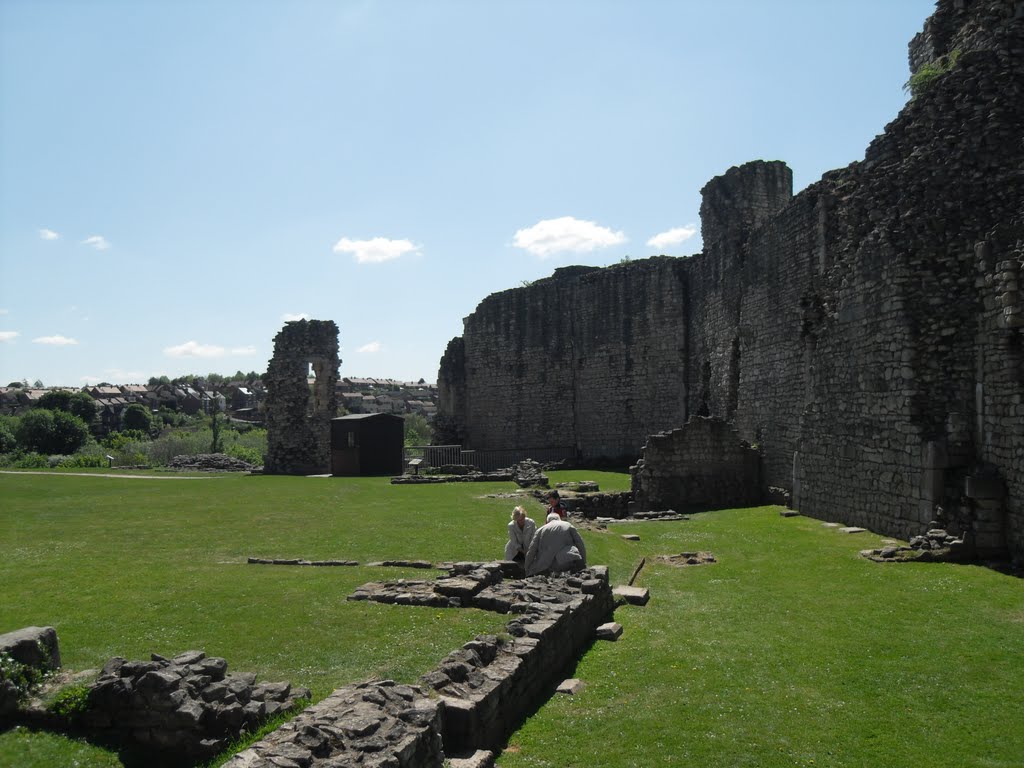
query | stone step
[479, 759]
[632, 595]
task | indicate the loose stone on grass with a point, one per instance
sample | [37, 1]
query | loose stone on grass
[610, 631]
[571, 687]
[684, 559]
[630, 537]
[632, 595]
[853, 529]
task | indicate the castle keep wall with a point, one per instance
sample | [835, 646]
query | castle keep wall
[865, 334]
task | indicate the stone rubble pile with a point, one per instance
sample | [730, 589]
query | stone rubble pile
[529, 474]
[210, 462]
[579, 486]
[501, 476]
[186, 706]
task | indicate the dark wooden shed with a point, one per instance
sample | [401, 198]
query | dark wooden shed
[367, 444]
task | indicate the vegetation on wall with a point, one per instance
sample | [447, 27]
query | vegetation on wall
[927, 74]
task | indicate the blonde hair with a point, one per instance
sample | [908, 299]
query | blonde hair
[518, 512]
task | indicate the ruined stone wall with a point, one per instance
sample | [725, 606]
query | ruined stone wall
[591, 359]
[298, 415]
[702, 465]
[865, 334]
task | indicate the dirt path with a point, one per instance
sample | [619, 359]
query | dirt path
[95, 474]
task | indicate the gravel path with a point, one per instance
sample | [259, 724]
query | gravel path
[93, 474]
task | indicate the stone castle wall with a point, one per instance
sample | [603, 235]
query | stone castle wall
[865, 333]
[299, 415]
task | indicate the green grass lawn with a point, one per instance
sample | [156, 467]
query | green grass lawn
[791, 650]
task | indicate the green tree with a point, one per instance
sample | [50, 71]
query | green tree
[77, 403]
[83, 406]
[55, 400]
[216, 444]
[8, 442]
[137, 416]
[54, 432]
[157, 380]
[417, 429]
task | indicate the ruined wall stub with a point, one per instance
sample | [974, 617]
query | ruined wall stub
[702, 465]
[298, 414]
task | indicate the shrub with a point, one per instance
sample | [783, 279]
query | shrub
[30, 460]
[250, 455]
[51, 432]
[70, 701]
[7, 439]
[927, 74]
[84, 459]
[138, 417]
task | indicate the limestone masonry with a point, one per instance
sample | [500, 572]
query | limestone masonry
[864, 334]
[299, 416]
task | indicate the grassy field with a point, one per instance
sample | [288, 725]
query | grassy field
[791, 650]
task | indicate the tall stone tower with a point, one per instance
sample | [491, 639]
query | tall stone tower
[299, 415]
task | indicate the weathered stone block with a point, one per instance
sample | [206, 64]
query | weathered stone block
[32, 646]
[632, 595]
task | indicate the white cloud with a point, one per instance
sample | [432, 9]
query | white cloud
[288, 317]
[8, 335]
[57, 341]
[551, 236]
[674, 236]
[373, 346]
[48, 234]
[99, 242]
[195, 349]
[376, 250]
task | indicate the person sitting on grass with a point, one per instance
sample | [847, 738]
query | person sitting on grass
[520, 534]
[556, 505]
[556, 547]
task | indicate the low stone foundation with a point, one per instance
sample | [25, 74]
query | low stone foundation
[501, 476]
[374, 724]
[474, 698]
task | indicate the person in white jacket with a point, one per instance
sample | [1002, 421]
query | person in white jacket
[520, 534]
[557, 546]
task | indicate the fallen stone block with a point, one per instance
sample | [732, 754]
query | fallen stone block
[570, 687]
[610, 631]
[482, 758]
[632, 595]
[789, 513]
[630, 537]
[852, 529]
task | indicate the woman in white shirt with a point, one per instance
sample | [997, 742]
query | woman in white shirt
[520, 534]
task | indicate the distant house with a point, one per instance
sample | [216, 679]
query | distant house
[104, 393]
[110, 413]
[214, 402]
[134, 393]
[189, 399]
[240, 397]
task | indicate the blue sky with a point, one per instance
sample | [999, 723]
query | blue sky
[179, 178]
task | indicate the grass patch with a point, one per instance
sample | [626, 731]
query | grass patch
[790, 650]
